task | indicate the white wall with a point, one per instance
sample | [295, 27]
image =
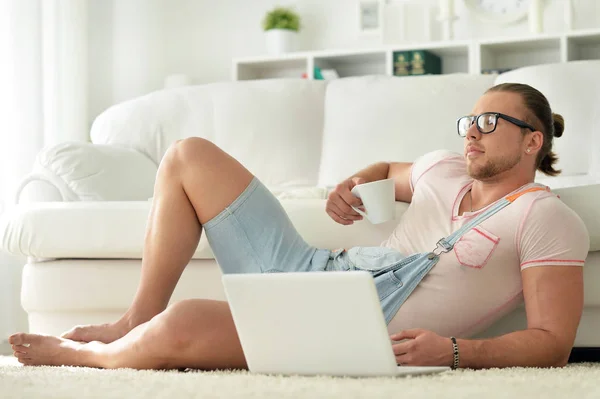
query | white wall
[21, 136]
[65, 70]
[134, 44]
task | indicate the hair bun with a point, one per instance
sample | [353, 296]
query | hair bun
[559, 124]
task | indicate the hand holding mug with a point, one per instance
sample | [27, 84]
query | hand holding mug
[379, 200]
[341, 201]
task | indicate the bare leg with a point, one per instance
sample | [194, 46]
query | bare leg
[195, 181]
[194, 333]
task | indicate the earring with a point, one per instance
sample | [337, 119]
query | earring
[529, 150]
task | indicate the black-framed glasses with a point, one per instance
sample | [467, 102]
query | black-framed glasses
[487, 122]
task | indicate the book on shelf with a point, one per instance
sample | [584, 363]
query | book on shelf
[417, 62]
[325, 74]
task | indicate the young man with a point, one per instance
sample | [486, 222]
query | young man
[532, 250]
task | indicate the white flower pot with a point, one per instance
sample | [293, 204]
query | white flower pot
[281, 41]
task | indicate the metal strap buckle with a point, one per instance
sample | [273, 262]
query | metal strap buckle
[442, 246]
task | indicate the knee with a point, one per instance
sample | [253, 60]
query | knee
[188, 151]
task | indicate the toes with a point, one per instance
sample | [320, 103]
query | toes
[20, 348]
[22, 339]
[21, 355]
[17, 339]
[26, 362]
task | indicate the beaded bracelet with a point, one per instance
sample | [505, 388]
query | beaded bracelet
[455, 353]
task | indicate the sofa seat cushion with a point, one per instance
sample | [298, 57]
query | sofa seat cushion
[115, 230]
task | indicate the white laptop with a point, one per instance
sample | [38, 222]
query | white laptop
[315, 323]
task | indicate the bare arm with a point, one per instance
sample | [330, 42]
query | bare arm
[340, 200]
[399, 171]
[553, 302]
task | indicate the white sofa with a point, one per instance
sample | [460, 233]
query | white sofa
[83, 209]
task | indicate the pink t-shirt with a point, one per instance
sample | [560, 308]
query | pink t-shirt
[479, 281]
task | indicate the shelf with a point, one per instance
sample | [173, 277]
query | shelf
[521, 53]
[455, 59]
[292, 67]
[368, 63]
[583, 46]
[457, 56]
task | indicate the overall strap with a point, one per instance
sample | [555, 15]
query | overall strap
[446, 244]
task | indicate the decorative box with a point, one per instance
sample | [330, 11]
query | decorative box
[401, 61]
[419, 62]
[425, 63]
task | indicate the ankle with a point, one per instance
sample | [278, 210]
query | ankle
[94, 354]
[127, 322]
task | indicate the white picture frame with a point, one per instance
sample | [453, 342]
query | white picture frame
[370, 17]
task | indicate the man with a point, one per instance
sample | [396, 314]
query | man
[533, 250]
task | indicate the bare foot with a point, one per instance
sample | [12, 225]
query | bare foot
[106, 333]
[38, 350]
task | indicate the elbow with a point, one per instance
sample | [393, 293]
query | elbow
[560, 350]
[563, 358]
[561, 363]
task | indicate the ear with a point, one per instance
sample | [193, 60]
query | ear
[534, 142]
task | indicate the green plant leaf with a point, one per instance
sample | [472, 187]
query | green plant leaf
[282, 18]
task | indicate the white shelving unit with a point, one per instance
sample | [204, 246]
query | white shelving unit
[583, 46]
[457, 56]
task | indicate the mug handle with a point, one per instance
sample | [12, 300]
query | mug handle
[357, 195]
[364, 214]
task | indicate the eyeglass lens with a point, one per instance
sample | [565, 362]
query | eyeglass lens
[485, 123]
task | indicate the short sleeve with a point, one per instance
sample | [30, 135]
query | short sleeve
[427, 161]
[552, 234]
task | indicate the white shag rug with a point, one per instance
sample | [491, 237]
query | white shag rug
[574, 381]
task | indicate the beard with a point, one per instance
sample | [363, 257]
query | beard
[493, 167]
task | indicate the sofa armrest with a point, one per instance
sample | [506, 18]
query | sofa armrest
[75, 171]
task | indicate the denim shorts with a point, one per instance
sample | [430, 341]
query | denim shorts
[255, 235]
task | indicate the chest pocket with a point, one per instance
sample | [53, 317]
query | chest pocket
[475, 248]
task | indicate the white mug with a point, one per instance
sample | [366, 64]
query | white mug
[378, 198]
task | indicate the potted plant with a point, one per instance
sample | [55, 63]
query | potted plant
[281, 27]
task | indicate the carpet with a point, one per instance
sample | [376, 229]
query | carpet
[577, 380]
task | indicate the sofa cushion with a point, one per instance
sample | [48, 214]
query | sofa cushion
[91, 172]
[573, 90]
[263, 124]
[152, 122]
[379, 118]
[274, 128]
[564, 181]
[115, 229]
